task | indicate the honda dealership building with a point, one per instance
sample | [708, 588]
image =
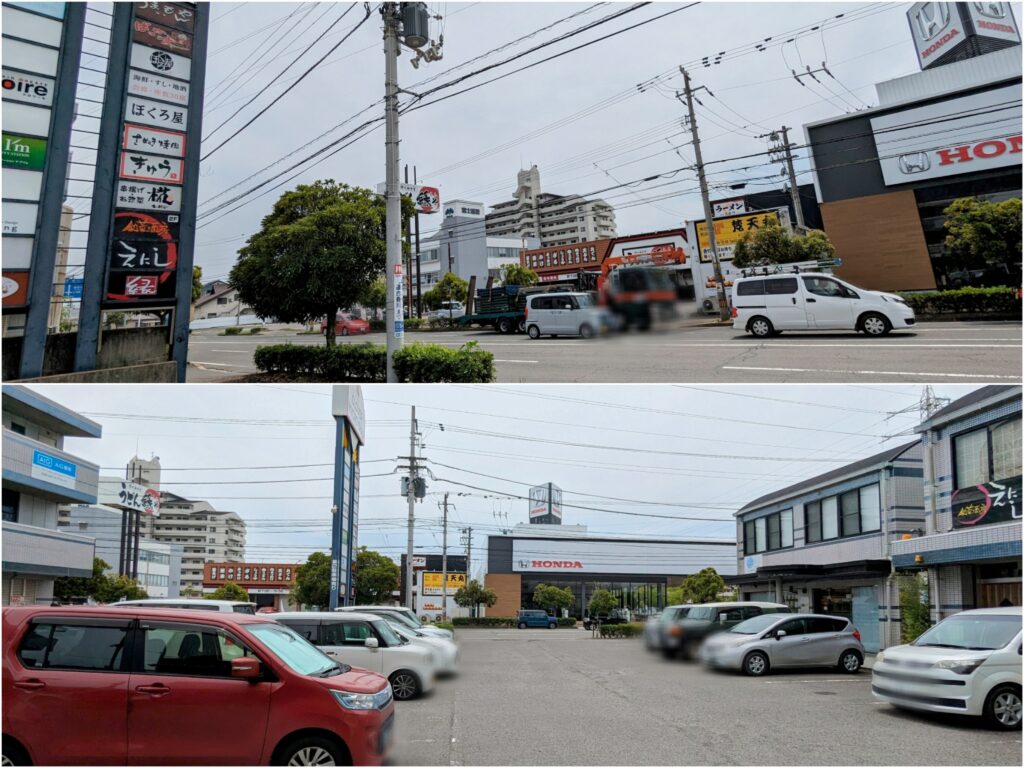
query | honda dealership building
[884, 176]
[637, 571]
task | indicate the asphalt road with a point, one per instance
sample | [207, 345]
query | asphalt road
[984, 352]
[560, 697]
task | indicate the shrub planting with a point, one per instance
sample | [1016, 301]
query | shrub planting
[972, 301]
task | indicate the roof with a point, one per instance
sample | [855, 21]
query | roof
[29, 404]
[205, 298]
[106, 611]
[977, 396]
[871, 462]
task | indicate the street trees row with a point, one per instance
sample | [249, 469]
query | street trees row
[375, 577]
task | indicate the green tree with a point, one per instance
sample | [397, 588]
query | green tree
[514, 274]
[602, 601]
[675, 596]
[230, 591]
[473, 595]
[771, 244]
[114, 319]
[703, 586]
[376, 577]
[318, 251]
[67, 587]
[115, 588]
[376, 295]
[313, 581]
[982, 232]
[814, 246]
[553, 598]
[451, 287]
[197, 283]
[915, 615]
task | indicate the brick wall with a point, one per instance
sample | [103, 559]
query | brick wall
[508, 587]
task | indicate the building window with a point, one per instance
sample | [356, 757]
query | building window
[849, 514]
[987, 454]
[18, 428]
[12, 500]
[768, 533]
[830, 518]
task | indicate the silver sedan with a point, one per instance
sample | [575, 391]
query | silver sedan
[769, 641]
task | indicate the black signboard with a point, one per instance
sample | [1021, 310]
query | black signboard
[136, 225]
[993, 502]
[157, 36]
[139, 286]
[143, 257]
[143, 254]
[170, 14]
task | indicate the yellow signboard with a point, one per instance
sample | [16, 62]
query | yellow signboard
[729, 230]
[431, 583]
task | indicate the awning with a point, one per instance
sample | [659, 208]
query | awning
[858, 569]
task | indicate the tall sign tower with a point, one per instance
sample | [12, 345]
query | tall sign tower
[350, 426]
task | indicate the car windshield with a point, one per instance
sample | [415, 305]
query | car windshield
[404, 618]
[295, 651]
[755, 625]
[975, 632]
[390, 636]
[585, 300]
[701, 613]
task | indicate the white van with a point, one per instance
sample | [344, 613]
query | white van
[769, 304]
[564, 314]
[402, 614]
[189, 603]
[967, 664]
[367, 641]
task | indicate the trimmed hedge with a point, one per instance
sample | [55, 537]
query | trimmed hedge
[232, 330]
[622, 630]
[980, 301]
[420, 363]
[445, 625]
[500, 621]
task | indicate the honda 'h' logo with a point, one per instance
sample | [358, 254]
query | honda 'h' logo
[932, 18]
[991, 10]
[915, 162]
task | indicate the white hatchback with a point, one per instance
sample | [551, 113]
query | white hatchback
[367, 641]
[968, 664]
[769, 304]
[445, 652]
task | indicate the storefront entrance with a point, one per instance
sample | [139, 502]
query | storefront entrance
[834, 601]
[999, 584]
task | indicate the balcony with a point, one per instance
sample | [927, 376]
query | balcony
[45, 552]
[38, 469]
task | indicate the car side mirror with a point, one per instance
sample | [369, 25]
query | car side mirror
[246, 667]
[780, 634]
[372, 643]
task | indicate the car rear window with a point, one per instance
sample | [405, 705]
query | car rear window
[826, 625]
[62, 646]
[780, 285]
[750, 288]
[250, 609]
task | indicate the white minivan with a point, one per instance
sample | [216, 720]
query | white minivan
[367, 641]
[769, 304]
[968, 664]
[189, 603]
[564, 314]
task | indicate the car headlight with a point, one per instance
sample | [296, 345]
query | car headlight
[353, 700]
[959, 666]
[879, 657]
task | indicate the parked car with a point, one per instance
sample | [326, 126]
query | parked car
[564, 314]
[189, 603]
[773, 641]
[449, 309]
[768, 305]
[346, 325]
[404, 615]
[527, 618]
[968, 664]
[654, 629]
[203, 688]
[606, 619]
[444, 652]
[684, 635]
[367, 641]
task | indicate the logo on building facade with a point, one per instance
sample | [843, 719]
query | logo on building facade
[932, 19]
[991, 10]
[915, 162]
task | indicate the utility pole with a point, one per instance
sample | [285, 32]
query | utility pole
[793, 190]
[411, 495]
[419, 285]
[444, 561]
[394, 325]
[723, 300]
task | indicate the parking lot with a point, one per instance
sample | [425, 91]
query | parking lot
[561, 697]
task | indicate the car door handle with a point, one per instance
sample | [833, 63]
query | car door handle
[157, 689]
[811, 301]
[30, 685]
[794, 300]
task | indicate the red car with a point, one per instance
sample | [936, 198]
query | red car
[346, 325]
[87, 685]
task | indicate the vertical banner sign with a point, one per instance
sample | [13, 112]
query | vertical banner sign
[140, 254]
[399, 322]
[42, 44]
[349, 416]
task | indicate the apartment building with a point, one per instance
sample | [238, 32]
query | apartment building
[38, 476]
[552, 219]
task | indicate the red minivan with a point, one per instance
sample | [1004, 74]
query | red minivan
[89, 685]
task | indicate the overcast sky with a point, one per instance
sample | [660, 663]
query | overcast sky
[472, 145]
[692, 452]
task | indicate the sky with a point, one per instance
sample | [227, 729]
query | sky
[581, 118]
[689, 454]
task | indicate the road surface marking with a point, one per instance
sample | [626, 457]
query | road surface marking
[871, 373]
[497, 360]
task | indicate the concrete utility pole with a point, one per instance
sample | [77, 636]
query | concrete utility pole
[394, 324]
[419, 284]
[444, 561]
[723, 299]
[411, 496]
[793, 191]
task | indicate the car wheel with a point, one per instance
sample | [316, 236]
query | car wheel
[522, 625]
[553, 625]
[689, 650]
[13, 754]
[504, 325]
[404, 685]
[520, 326]
[850, 662]
[761, 327]
[313, 750]
[1003, 707]
[875, 325]
[533, 332]
[668, 653]
[344, 331]
[756, 664]
[586, 331]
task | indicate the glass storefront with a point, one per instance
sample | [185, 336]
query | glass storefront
[639, 595]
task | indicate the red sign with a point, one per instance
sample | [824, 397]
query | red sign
[428, 200]
[556, 564]
[248, 575]
[562, 259]
[15, 288]
[983, 150]
[148, 33]
[398, 269]
[141, 285]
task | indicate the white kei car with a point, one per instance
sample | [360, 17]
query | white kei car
[445, 652]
